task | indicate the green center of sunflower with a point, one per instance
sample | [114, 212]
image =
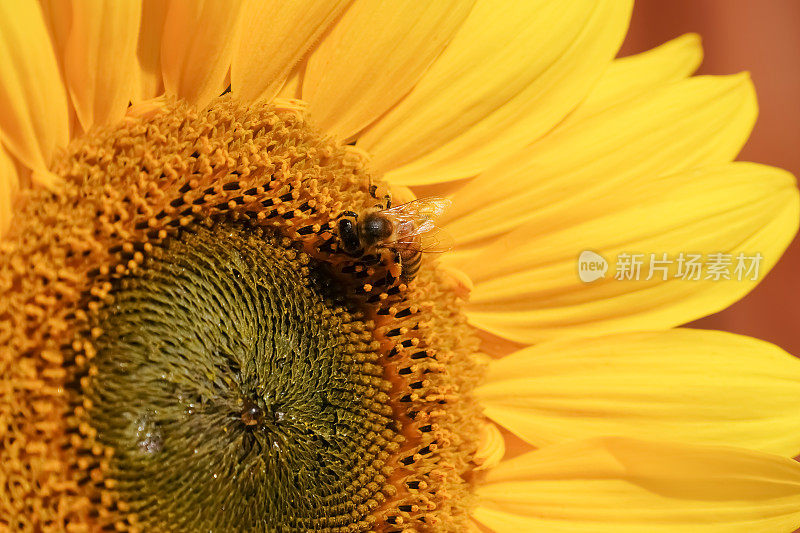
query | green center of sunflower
[201, 354]
[239, 391]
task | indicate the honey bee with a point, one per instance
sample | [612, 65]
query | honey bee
[408, 230]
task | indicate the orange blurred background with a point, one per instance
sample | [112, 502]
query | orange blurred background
[762, 37]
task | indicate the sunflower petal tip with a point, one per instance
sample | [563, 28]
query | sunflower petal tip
[690, 39]
[458, 281]
[693, 43]
[491, 448]
[46, 179]
[146, 109]
[293, 106]
[744, 79]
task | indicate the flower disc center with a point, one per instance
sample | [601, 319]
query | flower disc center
[238, 391]
[202, 353]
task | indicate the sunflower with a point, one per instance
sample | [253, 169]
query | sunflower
[197, 335]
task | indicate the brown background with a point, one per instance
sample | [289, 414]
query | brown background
[763, 37]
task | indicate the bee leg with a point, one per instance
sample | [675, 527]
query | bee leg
[370, 260]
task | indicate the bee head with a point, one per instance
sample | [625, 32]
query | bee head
[348, 233]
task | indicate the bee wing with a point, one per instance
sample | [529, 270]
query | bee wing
[419, 210]
[434, 240]
[415, 219]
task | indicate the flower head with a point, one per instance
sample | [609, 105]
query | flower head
[220, 311]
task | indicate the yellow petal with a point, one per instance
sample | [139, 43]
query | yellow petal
[527, 286]
[625, 485]
[197, 46]
[632, 76]
[33, 103]
[511, 73]
[475, 527]
[682, 385]
[58, 17]
[100, 59]
[9, 184]
[293, 86]
[624, 80]
[148, 50]
[275, 36]
[373, 56]
[491, 448]
[694, 122]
